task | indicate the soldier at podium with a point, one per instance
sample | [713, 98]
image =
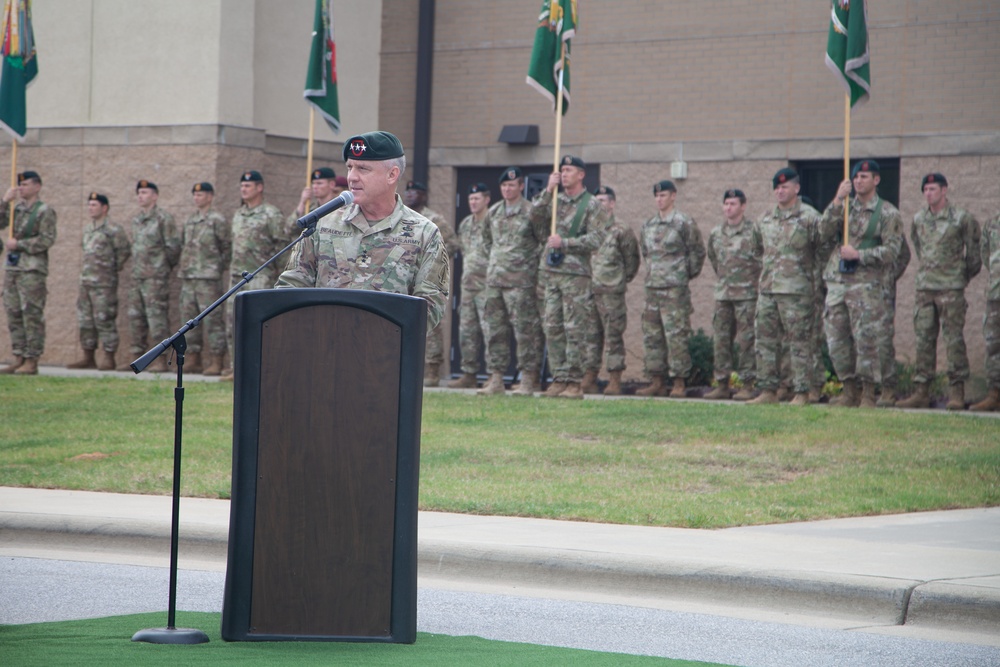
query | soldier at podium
[376, 243]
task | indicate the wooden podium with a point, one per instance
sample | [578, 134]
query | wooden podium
[326, 443]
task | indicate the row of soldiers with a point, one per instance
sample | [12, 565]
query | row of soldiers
[786, 284]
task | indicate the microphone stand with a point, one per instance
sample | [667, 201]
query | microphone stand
[172, 634]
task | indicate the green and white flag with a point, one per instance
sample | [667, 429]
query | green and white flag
[556, 26]
[321, 78]
[847, 48]
[19, 68]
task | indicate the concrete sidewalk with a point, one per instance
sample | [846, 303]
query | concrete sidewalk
[937, 570]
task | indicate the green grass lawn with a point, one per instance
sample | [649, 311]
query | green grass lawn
[647, 462]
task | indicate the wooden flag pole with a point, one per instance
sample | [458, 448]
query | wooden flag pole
[555, 160]
[847, 161]
[309, 153]
[13, 184]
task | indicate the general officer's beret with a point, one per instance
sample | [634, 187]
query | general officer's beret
[510, 174]
[479, 187]
[251, 176]
[734, 193]
[866, 165]
[324, 172]
[95, 196]
[204, 186]
[416, 185]
[27, 176]
[783, 176]
[572, 161]
[146, 184]
[376, 145]
[934, 178]
[664, 185]
[605, 190]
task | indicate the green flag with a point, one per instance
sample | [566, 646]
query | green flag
[321, 79]
[847, 48]
[19, 66]
[556, 26]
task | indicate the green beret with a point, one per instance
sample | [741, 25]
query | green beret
[605, 190]
[783, 176]
[416, 185]
[94, 196]
[734, 193]
[572, 161]
[28, 175]
[251, 177]
[146, 184]
[479, 187]
[866, 165]
[664, 185]
[510, 174]
[204, 186]
[376, 145]
[934, 178]
[323, 172]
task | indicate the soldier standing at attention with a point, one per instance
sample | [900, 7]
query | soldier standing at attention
[106, 248]
[581, 225]
[156, 248]
[887, 330]
[789, 238]
[258, 233]
[376, 243]
[735, 258]
[991, 320]
[322, 188]
[946, 241]
[475, 258]
[516, 242]
[415, 197]
[207, 245]
[674, 253]
[26, 270]
[855, 280]
[614, 265]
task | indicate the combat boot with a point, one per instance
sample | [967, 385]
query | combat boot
[13, 366]
[655, 388]
[784, 394]
[192, 362]
[766, 397]
[465, 381]
[125, 367]
[86, 362]
[720, 392]
[886, 399]
[159, 365]
[850, 397]
[529, 384]
[554, 389]
[107, 362]
[214, 366]
[920, 398]
[678, 390]
[589, 384]
[746, 393]
[614, 387]
[867, 395]
[432, 375]
[956, 397]
[29, 367]
[801, 398]
[573, 390]
[493, 386]
[815, 395]
[989, 404]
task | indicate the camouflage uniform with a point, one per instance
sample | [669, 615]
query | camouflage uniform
[435, 338]
[207, 245]
[614, 265]
[947, 247]
[156, 247]
[472, 311]
[568, 295]
[887, 329]
[735, 258]
[991, 320]
[786, 304]
[516, 242]
[402, 253]
[24, 290]
[855, 302]
[674, 254]
[106, 248]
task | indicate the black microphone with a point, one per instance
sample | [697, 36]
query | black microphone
[312, 217]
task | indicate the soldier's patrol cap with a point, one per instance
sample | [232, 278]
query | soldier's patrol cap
[324, 172]
[204, 186]
[934, 178]
[96, 196]
[27, 176]
[510, 174]
[734, 193]
[416, 185]
[150, 185]
[783, 176]
[251, 176]
[572, 161]
[870, 166]
[664, 185]
[605, 190]
[378, 145]
[479, 187]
